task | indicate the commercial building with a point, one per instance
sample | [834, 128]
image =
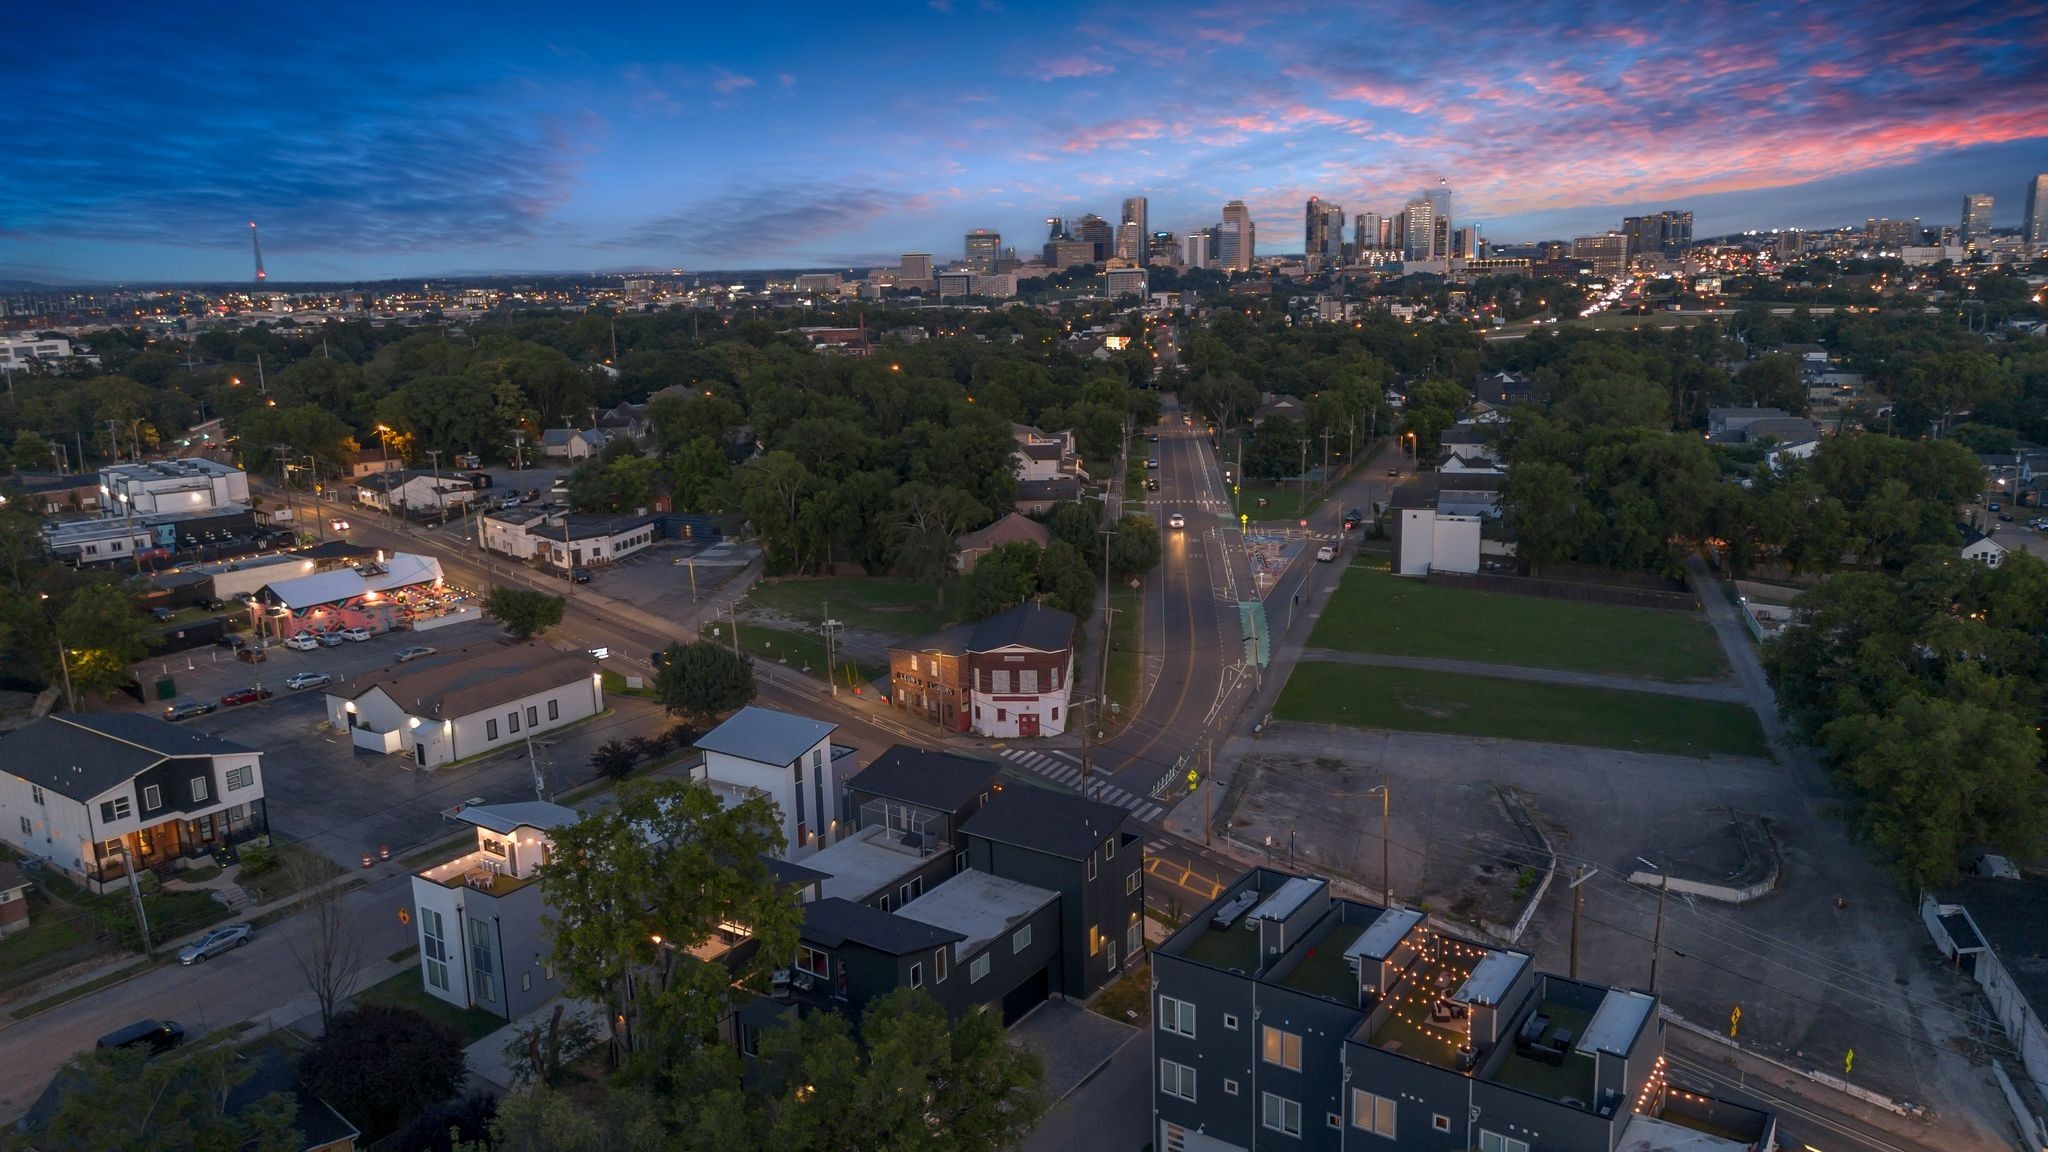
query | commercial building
[378, 595]
[984, 248]
[1323, 235]
[1418, 231]
[183, 486]
[403, 491]
[1240, 238]
[1288, 1018]
[819, 283]
[1881, 232]
[1098, 234]
[481, 914]
[2034, 224]
[92, 794]
[17, 352]
[1368, 233]
[1438, 521]
[556, 536]
[1606, 254]
[1123, 278]
[1666, 233]
[1976, 217]
[787, 759]
[454, 705]
[1134, 232]
[1068, 253]
[1008, 676]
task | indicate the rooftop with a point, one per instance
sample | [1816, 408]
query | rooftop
[1325, 970]
[1234, 949]
[81, 756]
[473, 677]
[766, 736]
[832, 922]
[1568, 1080]
[1413, 1026]
[940, 780]
[503, 818]
[1058, 823]
[474, 870]
[978, 906]
[864, 864]
[402, 570]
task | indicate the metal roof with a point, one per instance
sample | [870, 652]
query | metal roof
[1491, 978]
[402, 570]
[1286, 899]
[766, 736]
[1378, 941]
[1616, 1023]
[503, 818]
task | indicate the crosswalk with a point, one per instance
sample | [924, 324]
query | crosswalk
[1064, 768]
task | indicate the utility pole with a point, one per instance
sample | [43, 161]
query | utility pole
[1326, 462]
[284, 480]
[534, 760]
[1657, 937]
[64, 665]
[831, 675]
[135, 894]
[1302, 508]
[1209, 794]
[1578, 905]
[734, 617]
[440, 497]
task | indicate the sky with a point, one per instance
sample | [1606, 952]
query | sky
[451, 139]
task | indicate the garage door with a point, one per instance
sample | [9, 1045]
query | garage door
[1174, 1138]
[1026, 996]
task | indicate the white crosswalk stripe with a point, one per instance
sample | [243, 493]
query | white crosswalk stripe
[1148, 812]
[1065, 775]
[1064, 768]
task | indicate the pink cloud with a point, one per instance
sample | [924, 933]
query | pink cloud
[724, 81]
[1068, 68]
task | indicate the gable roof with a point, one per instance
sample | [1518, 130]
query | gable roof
[1011, 528]
[472, 678]
[503, 818]
[940, 780]
[834, 921]
[82, 756]
[402, 570]
[766, 736]
[1057, 488]
[1028, 625]
[1058, 823]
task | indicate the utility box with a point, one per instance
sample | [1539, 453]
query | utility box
[167, 687]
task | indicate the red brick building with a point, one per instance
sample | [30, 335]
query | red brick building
[1007, 676]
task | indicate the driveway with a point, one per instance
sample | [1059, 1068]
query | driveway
[1110, 1113]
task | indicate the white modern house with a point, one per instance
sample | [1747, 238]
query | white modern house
[455, 705]
[789, 759]
[194, 484]
[88, 794]
[479, 914]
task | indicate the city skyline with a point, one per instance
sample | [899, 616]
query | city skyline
[717, 140]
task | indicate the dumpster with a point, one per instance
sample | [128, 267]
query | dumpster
[166, 687]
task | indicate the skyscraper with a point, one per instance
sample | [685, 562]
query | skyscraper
[1240, 237]
[1419, 230]
[2034, 225]
[1198, 249]
[1668, 233]
[1607, 253]
[984, 248]
[1467, 246]
[1095, 230]
[1138, 227]
[1368, 232]
[1323, 238]
[914, 266]
[1976, 217]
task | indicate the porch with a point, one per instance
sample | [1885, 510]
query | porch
[175, 843]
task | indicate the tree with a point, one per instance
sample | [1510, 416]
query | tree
[703, 680]
[524, 612]
[929, 520]
[441, 1127]
[322, 937]
[1065, 580]
[102, 634]
[1002, 577]
[31, 453]
[380, 1066]
[1134, 549]
[614, 760]
[1540, 501]
[126, 1102]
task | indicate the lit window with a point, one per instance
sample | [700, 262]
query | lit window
[1281, 1047]
[1375, 1114]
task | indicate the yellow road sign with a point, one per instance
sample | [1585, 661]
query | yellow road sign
[1734, 1021]
[1849, 1062]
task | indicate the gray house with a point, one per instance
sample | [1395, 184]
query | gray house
[1287, 1018]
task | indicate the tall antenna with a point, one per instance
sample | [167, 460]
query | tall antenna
[256, 245]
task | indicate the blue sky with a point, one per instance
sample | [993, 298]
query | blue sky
[444, 139]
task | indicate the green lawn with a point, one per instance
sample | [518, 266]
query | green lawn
[1366, 696]
[404, 991]
[1283, 500]
[1375, 612]
[284, 879]
[55, 936]
[1127, 649]
[800, 649]
[891, 605]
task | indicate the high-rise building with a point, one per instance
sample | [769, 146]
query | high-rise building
[1976, 217]
[1097, 231]
[1067, 253]
[1135, 223]
[984, 248]
[1197, 245]
[1323, 238]
[2034, 225]
[1468, 245]
[1368, 232]
[1607, 253]
[1418, 230]
[1668, 233]
[1055, 231]
[1882, 232]
[914, 266]
[1165, 248]
[1240, 238]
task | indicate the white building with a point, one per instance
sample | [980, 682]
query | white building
[1123, 279]
[573, 443]
[195, 484]
[413, 492]
[372, 595]
[459, 704]
[790, 760]
[88, 793]
[565, 539]
[480, 915]
[1982, 549]
[21, 351]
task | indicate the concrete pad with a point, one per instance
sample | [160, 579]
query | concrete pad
[486, 1057]
[1072, 1041]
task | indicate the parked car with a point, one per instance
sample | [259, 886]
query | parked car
[302, 642]
[415, 652]
[187, 709]
[155, 1035]
[213, 604]
[2005, 516]
[1393, 471]
[1154, 437]
[244, 696]
[356, 635]
[1326, 554]
[214, 943]
[230, 641]
[579, 575]
[300, 681]
[1176, 521]
[1353, 519]
[160, 615]
[532, 494]
[1152, 462]
[251, 655]
[1994, 505]
[330, 639]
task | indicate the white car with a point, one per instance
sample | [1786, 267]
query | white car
[1326, 554]
[337, 525]
[1176, 521]
[415, 652]
[358, 635]
[301, 681]
[302, 642]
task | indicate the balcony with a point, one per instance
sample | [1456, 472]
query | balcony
[478, 871]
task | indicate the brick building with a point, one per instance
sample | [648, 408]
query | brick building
[1008, 675]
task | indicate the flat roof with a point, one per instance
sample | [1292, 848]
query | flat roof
[402, 570]
[1491, 978]
[863, 864]
[1378, 942]
[1617, 1022]
[978, 906]
[1290, 897]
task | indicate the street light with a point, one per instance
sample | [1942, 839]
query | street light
[1386, 821]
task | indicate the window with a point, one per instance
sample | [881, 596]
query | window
[1002, 714]
[35, 793]
[1495, 1142]
[1177, 1017]
[1094, 940]
[1112, 955]
[960, 859]
[1177, 1080]
[803, 835]
[492, 847]
[547, 970]
[1230, 1087]
[1336, 1121]
[1133, 882]
[978, 969]
[1027, 680]
[1091, 865]
[26, 827]
[1280, 1114]
[887, 904]
[434, 948]
[939, 966]
[533, 715]
[526, 981]
[912, 889]
[1002, 679]
[1055, 713]
[917, 975]
[482, 963]
[1229, 1022]
[1133, 939]
[152, 797]
[1020, 939]
[490, 729]
[818, 758]
[199, 789]
[240, 777]
[512, 720]
[813, 961]
[1440, 1122]
[1280, 1047]
[1373, 1113]
[554, 709]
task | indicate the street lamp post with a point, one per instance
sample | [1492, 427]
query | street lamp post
[1385, 789]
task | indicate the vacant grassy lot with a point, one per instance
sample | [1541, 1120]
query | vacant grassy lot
[1283, 500]
[1376, 612]
[1371, 697]
[1127, 650]
[799, 650]
[891, 605]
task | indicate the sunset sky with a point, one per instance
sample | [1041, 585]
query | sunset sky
[374, 142]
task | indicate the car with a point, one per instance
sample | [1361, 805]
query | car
[1176, 521]
[1151, 484]
[302, 642]
[214, 943]
[330, 639]
[244, 696]
[1152, 462]
[579, 575]
[187, 709]
[1187, 421]
[1326, 554]
[155, 1035]
[251, 655]
[337, 525]
[300, 681]
[1393, 471]
[1993, 505]
[1154, 437]
[415, 652]
[160, 615]
[1353, 519]
[230, 641]
[532, 494]
[356, 635]
[2005, 516]
[213, 604]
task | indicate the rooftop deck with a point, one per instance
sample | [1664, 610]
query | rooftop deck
[477, 870]
[1413, 1024]
[1324, 971]
[1572, 1079]
[1231, 948]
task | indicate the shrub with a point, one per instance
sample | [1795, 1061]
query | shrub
[614, 760]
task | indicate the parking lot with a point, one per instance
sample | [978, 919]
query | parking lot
[343, 802]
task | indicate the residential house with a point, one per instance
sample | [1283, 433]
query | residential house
[90, 793]
[1437, 520]
[563, 539]
[1756, 425]
[1286, 1017]
[14, 886]
[374, 595]
[373, 462]
[1470, 441]
[1044, 455]
[788, 759]
[1271, 406]
[626, 419]
[479, 913]
[1007, 676]
[1037, 497]
[454, 705]
[574, 443]
[1012, 528]
[413, 492]
[1501, 389]
[1981, 548]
